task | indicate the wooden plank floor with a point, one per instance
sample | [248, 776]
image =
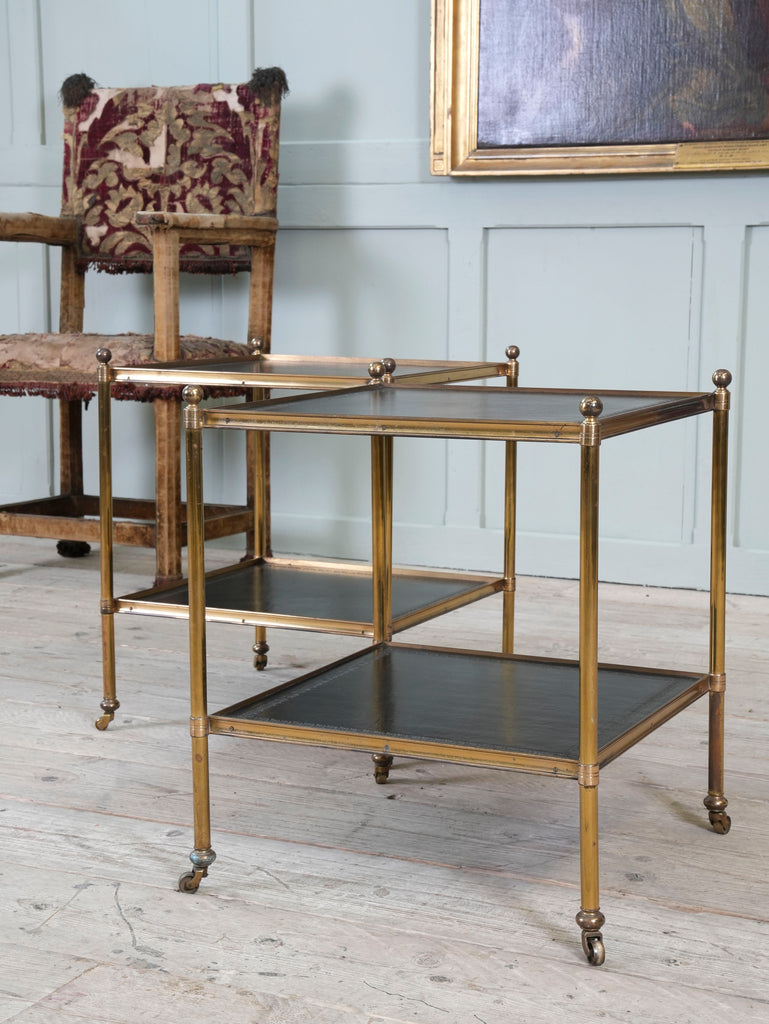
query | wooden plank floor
[447, 895]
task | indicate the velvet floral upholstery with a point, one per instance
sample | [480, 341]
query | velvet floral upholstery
[202, 149]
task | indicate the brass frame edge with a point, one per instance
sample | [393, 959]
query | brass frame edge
[610, 751]
[429, 750]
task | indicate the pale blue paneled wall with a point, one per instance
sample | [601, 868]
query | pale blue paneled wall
[645, 282]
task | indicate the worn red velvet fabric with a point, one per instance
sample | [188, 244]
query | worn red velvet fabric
[196, 149]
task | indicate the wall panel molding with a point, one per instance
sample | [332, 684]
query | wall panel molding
[653, 281]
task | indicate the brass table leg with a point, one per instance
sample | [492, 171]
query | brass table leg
[202, 855]
[71, 467]
[381, 535]
[261, 538]
[109, 703]
[715, 801]
[511, 471]
[381, 559]
[590, 919]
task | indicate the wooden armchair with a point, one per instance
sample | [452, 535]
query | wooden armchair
[156, 180]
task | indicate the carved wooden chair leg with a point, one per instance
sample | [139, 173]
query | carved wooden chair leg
[168, 491]
[71, 462]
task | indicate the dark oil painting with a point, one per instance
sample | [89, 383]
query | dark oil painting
[616, 72]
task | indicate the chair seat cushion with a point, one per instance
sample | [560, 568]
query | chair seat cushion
[65, 366]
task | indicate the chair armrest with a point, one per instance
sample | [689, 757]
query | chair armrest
[37, 227]
[211, 228]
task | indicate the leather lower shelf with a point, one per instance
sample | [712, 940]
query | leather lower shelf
[315, 595]
[499, 710]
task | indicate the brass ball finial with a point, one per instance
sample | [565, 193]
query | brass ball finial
[722, 378]
[512, 351]
[103, 355]
[257, 346]
[591, 406]
[193, 393]
[389, 365]
[376, 369]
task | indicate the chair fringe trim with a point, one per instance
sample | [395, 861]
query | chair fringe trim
[220, 266]
[84, 392]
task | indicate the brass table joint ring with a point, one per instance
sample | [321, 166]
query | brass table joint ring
[717, 682]
[587, 775]
[199, 727]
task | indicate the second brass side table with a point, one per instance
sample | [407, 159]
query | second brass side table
[262, 590]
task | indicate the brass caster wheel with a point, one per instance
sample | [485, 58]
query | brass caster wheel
[190, 881]
[382, 765]
[260, 650]
[593, 948]
[109, 706]
[720, 821]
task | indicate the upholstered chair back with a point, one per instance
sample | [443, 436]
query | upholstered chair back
[203, 149]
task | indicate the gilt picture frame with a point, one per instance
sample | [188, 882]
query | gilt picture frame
[543, 87]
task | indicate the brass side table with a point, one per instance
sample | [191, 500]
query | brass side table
[560, 718]
[262, 590]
